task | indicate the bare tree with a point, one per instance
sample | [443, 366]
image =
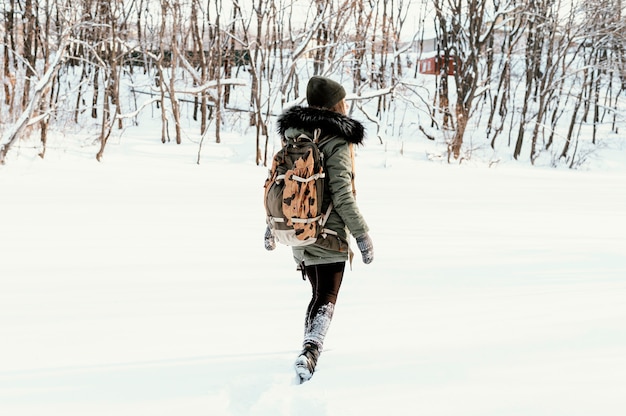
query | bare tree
[8, 52]
[465, 28]
[566, 67]
[30, 114]
[30, 42]
[503, 48]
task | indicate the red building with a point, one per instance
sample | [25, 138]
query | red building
[433, 64]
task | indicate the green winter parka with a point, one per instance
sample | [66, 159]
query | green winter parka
[337, 132]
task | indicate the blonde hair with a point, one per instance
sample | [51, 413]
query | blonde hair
[341, 107]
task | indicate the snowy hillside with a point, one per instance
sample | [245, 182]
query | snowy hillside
[140, 286]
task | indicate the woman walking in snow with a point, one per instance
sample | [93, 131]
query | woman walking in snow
[323, 263]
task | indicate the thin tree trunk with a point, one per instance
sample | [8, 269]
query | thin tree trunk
[15, 132]
[218, 73]
[29, 54]
[176, 28]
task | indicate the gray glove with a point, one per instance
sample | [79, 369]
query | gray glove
[364, 242]
[270, 243]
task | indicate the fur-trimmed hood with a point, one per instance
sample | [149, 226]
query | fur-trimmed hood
[330, 122]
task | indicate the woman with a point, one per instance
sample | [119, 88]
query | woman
[323, 263]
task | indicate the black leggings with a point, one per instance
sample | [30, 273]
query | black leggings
[325, 283]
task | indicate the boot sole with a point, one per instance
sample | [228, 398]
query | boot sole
[302, 369]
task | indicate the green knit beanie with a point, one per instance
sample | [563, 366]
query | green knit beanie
[324, 92]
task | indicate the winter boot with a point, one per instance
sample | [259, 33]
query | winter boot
[316, 327]
[306, 362]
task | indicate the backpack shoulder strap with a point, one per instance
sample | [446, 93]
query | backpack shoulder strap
[316, 135]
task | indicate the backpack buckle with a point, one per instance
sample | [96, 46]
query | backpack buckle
[302, 138]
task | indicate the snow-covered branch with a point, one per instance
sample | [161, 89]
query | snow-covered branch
[14, 132]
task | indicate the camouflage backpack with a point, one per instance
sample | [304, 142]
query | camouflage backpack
[294, 191]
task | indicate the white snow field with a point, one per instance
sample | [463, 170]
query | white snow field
[140, 286]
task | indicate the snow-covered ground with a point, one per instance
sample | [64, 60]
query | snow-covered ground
[140, 286]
